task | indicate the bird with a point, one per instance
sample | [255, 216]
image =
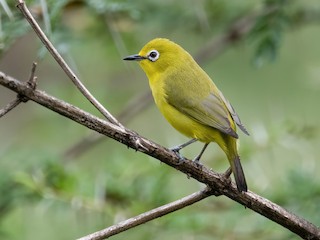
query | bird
[191, 102]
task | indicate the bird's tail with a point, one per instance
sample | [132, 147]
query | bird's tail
[238, 174]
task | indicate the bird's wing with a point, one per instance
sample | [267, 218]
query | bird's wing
[210, 111]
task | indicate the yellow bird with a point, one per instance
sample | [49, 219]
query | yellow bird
[190, 101]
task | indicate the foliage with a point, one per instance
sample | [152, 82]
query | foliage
[268, 31]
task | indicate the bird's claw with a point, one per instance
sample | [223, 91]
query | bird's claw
[198, 164]
[176, 151]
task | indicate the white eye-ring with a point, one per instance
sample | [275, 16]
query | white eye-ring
[153, 55]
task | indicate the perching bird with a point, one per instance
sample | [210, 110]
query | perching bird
[190, 101]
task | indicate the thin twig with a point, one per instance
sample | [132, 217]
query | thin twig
[10, 106]
[148, 216]
[215, 181]
[55, 54]
[33, 79]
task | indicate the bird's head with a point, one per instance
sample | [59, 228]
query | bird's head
[159, 55]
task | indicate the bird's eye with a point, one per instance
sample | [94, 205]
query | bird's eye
[153, 55]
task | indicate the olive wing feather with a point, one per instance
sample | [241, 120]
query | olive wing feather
[210, 111]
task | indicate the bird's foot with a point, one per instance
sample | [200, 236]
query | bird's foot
[197, 162]
[176, 150]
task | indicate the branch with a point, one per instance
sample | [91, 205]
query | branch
[215, 181]
[10, 106]
[148, 216]
[55, 54]
[32, 83]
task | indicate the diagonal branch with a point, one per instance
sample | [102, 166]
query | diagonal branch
[148, 216]
[215, 181]
[11, 105]
[55, 54]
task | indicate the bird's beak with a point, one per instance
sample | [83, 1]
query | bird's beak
[135, 57]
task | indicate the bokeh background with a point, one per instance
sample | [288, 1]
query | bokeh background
[58, 180]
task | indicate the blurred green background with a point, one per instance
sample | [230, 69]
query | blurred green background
[271, 76]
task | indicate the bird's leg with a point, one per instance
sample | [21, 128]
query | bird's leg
[177, 149]
[197, 158]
